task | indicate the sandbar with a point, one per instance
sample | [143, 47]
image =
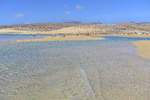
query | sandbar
[61, 38]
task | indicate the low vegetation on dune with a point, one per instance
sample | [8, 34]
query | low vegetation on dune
[78, 28]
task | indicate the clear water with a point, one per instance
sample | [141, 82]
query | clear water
[73, 70]
[11, 37]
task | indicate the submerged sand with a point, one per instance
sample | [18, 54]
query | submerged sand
[61, 38]
[143, 48]
[73, 71]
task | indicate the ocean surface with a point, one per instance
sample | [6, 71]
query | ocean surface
[73, 70]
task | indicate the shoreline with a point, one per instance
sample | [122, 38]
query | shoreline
[125, 35]
[8, 31]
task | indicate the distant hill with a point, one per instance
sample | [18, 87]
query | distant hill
[73, 22]
[75, 27]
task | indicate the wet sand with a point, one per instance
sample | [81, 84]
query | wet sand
[143, 48]
[72, 70]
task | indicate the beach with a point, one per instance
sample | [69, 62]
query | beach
[143, 48]
[75, 50]
[125, 35]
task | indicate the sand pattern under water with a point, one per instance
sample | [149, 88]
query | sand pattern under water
[83, 70]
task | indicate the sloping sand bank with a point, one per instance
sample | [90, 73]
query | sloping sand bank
[143, 48]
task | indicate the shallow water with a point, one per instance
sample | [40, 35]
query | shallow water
[74, 70]
[11, 37]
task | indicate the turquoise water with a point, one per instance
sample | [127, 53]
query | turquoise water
[116, 38]
[28, 34]
[11, 37]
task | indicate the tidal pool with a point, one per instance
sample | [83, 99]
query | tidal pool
[74, 70]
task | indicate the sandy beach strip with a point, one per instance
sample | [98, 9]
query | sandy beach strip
[143, 48]
[125, 35]
[61, 38]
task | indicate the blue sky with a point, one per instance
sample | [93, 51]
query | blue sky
[105, 11]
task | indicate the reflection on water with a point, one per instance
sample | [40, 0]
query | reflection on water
[73, 70]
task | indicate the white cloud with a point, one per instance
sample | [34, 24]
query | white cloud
[19, 15]
[67, 12]
[79, 7]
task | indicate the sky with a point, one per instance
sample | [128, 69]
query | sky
[105, 11]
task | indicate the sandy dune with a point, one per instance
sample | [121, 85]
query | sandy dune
[85, 28]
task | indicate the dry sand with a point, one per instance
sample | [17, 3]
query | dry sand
[61, 38]
[143, 48]
[125, 35]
